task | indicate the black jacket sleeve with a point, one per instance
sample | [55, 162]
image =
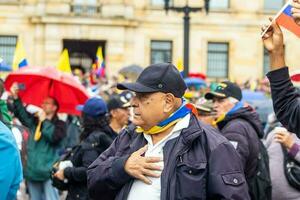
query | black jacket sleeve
[106, 175]
[286, 99]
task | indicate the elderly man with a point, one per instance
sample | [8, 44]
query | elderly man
[240, 124]
[171, 155]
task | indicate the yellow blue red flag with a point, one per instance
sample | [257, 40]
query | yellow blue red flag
[100, 63]
[19, 57]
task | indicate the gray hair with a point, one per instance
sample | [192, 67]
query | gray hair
[233, 100]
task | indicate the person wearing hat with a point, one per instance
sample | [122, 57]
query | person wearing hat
[118, 108]
[170, 154]
[206, 112]
[95, 138]
[239, 123]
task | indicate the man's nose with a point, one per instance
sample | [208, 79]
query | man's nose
[134, 102]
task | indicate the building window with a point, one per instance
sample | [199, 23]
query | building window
[88, 7]
[7, 48]
[217, 60]
[219, 4]
[273, 4]
[160, 2]
[161, 51]
[266, 67]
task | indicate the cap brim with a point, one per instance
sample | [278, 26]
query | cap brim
[211, 95]
[126, 105]
[135, 87]
[201, 108]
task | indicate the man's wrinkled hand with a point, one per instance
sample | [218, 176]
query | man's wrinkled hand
[273, 42]
[141, 167]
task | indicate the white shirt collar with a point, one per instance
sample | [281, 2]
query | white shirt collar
[183, 123]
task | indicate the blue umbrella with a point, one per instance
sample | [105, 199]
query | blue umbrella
[195, 82]
[249, 95]
[4, 66]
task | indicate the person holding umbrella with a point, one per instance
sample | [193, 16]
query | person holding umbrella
[47, 134]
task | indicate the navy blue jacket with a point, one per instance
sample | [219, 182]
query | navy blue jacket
[286, 99]
[199, 164]
[245, 128]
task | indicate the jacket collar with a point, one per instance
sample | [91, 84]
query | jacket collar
[192, 132]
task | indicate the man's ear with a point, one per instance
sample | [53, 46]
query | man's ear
[113, 113]
[169, 103]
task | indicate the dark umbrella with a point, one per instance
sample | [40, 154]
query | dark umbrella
[131, 71]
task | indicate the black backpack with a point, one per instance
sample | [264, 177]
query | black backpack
[260, 186]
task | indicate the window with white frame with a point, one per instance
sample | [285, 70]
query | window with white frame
[7, 48]
[160, 3]
[218, 4]
[161, 51]
[88, 7]
[217, 60]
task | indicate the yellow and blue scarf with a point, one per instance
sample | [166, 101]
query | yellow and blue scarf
[237, 106]
[183, 111]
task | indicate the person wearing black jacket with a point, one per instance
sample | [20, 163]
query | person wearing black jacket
[286, 98]
[95, 138]
[239, 123]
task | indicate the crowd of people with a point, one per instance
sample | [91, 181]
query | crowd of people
[144, 140]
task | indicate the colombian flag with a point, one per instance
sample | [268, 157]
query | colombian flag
[284, 18]
[100, 63]
[19, 57]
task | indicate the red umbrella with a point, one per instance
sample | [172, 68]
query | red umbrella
[42, 82]
[295, 76]
[197, 75]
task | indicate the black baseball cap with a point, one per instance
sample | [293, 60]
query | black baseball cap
[117, 101]
[163, 77]
[225, 89]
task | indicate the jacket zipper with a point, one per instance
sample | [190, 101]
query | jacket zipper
[173, 167]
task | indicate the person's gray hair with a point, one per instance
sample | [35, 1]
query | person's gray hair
[233, 100]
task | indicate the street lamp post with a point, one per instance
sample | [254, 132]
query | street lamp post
[186, 20]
